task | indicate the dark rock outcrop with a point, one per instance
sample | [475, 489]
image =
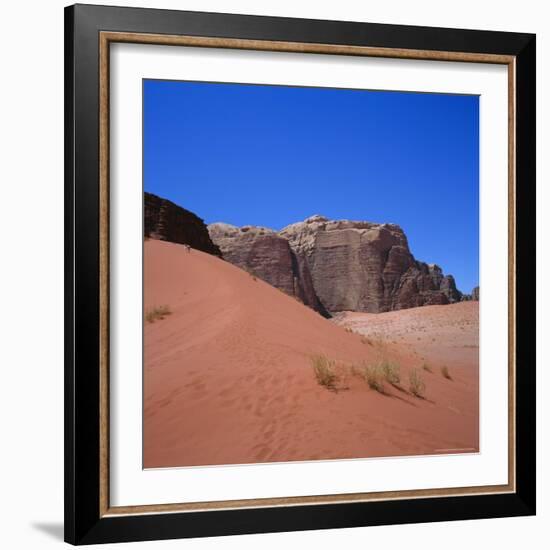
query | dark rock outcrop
[337, 266]
[166, 221]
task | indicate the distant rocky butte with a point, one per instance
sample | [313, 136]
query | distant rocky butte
[473, 296]
[335, 266]
[166, 221]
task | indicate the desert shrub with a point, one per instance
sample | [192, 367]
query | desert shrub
[365, 340]
[349, 329]
[157, 313]
[374, 377]
[417, 385]
[445, 372]
[390, 371]
[426, 367]
[324, 371]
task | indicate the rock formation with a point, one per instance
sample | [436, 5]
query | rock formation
[167, 221]
[475, 294]
[337, 266]
[329, 265]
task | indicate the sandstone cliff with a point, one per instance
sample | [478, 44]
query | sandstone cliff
[337, 266]
[166, 221]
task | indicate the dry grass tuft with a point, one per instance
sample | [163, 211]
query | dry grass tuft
[366, 340]
[324, 371]
[157, 313]
[391, 372]
[426, 367]
[374, 376]
[446, 374]
[417, 386]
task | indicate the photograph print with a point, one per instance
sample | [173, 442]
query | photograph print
[310, 274]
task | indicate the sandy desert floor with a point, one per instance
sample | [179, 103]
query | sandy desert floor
[228, 375]
[437, 335]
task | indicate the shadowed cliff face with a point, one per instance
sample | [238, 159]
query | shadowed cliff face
[335, 266]
[166, 221]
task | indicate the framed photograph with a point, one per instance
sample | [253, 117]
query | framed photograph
[300, 274]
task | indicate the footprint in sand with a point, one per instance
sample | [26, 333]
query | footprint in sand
[165, 401]
[261, 381]
[193, 383]
[262, 453]
[278, 399]
[246, 403]
[269, 432]
[229, 402]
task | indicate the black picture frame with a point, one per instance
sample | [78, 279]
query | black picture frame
[84, 523]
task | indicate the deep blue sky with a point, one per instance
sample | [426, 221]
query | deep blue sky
[274, 155]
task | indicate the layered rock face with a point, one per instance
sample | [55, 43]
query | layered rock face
[268, 255]
[167, 221]
[335, 266]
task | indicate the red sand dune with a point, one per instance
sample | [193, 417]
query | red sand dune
[228, 377]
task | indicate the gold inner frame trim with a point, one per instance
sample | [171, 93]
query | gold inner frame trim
[105, 39]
